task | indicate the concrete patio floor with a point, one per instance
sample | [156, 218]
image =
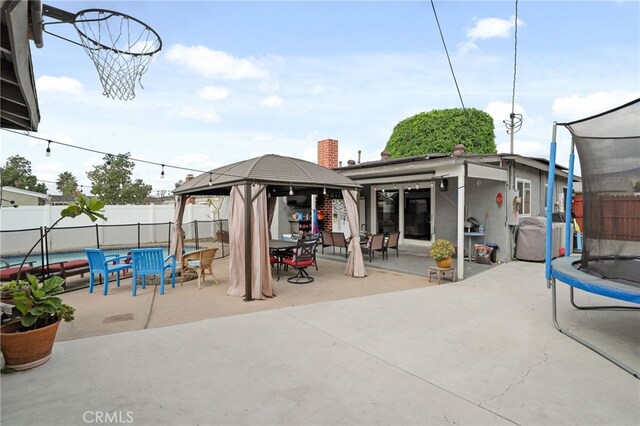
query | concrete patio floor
[478, 351]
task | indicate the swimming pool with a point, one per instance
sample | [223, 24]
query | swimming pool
[64, 256]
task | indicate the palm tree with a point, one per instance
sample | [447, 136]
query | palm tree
[67, 183]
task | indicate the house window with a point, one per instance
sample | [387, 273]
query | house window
[524, 192]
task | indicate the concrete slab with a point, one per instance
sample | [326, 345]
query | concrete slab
[481, 351]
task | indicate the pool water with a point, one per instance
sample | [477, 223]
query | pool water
[63, 256]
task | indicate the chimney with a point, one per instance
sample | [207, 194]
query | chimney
[328, 153]
[190, 200]
[384, 155]
[359, 152]
[458, 150]
[188, 178]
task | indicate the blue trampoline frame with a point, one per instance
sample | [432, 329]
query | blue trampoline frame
[562, 269]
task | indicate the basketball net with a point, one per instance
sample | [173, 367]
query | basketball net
[120, 46]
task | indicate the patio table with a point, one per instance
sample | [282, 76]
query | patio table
[470, 236]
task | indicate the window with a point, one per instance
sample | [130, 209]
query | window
[524, 192]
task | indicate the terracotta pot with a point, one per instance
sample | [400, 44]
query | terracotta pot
[27, 349]
[445, 263]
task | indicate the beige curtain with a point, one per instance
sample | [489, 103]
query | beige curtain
[355, 262]
[177, 242]
[261, 282]
[271, 209]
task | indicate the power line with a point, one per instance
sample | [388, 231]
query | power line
[447, 52]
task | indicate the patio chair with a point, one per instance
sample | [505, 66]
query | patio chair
[199, 261]
[340, 241]
[375, 243]
[303, 257]
[327, 240]
[391, 241]
[151, 261]
[102, 264]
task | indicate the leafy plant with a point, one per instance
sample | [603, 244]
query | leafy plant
[438, 131]
[441, 249]
[38, 304]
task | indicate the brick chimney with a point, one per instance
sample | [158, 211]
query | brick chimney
[327, 157]
[328, 153]
[190, 200]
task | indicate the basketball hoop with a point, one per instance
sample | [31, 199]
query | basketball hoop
[120, 46]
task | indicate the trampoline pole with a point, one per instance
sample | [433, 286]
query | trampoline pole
[567, 205]
[550, 188]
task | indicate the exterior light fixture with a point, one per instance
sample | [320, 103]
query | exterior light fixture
[210, 180]
[48, 153]
[324, 191]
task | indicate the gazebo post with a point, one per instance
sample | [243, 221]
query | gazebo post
[247, 243]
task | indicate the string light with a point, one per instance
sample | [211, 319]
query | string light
[48, 153]
[210, 180]
[417, 187]
[162, 172]
[291, 190]
[108, 161]
[324, 191]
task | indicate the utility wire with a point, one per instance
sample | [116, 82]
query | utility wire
[433, 6]
[515, 60]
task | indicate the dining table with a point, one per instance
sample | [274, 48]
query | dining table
[280, 249]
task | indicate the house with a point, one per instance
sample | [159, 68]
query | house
[435, 196]
[14, 197]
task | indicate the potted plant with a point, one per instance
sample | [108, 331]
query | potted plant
[6, 289]
[27, 338]
[441, 251]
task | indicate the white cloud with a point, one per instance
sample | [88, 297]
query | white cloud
[263, 138]
[215, 63]
[577, 107]
[271, 101]
[64, 85]
[317, 89]
[491, 28]
[200, 114]
[214, 93]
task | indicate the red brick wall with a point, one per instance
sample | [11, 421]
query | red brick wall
[327, 157]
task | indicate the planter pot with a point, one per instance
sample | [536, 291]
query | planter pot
[27, 349]
[445, 263]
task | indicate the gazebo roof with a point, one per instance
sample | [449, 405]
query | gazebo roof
[279, 173]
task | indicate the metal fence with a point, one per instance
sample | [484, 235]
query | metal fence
[16, 243]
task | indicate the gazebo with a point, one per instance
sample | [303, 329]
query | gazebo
[262, 180]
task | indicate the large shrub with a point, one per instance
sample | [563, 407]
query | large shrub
[438, 131]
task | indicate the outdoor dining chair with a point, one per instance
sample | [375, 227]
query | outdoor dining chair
[340, 241]
[375, 243]
[102, 264]
[327, 240]
[303, 257]
[199, 261]
[151, 261]
[391, 241]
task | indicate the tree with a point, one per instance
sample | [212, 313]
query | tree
[438, 131]
[17, 173]
[67, 183]
[111, 181]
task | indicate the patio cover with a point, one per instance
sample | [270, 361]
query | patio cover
[254, 180]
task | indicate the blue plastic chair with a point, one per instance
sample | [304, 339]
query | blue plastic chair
[151, 261]
[102, 264]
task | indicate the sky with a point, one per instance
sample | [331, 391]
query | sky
[236, 80]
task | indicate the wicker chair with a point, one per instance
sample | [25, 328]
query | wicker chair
[199, 261]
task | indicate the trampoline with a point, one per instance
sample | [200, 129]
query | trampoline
[608, 145]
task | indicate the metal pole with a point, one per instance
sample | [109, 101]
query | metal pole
[511, 132]
[247, 243]
[97, 237]
[195, 234]
[550, 188]
[567, 205]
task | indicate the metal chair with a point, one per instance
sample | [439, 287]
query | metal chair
[151, 261]
[392, 242]
[327, 240]
[376, 243]
[303, 257]
[340, 241]
[199, 261]
[102, 264]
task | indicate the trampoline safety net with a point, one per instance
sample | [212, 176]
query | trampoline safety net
[608, 146]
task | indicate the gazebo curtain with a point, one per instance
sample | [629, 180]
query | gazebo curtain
[177, 242]
[355, 262]
[261, 281]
